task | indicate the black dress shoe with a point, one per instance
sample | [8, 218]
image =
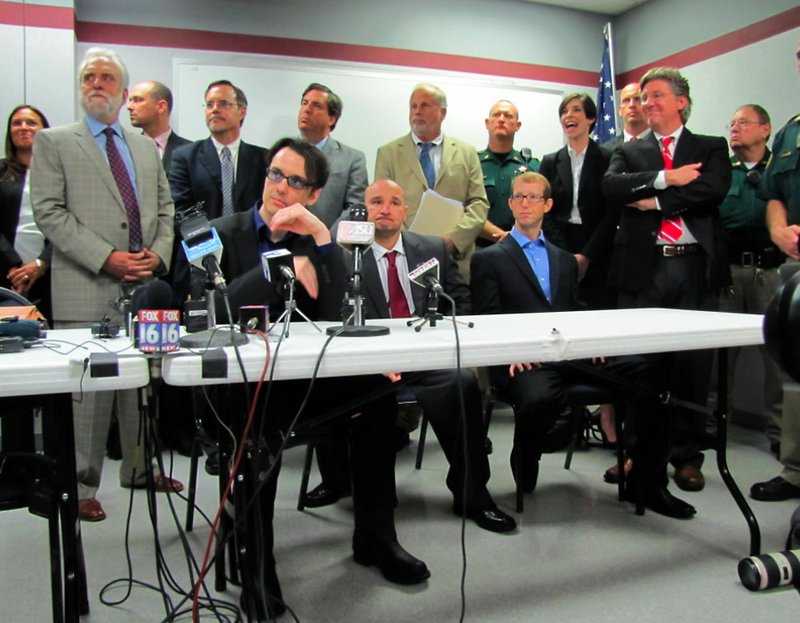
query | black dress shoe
[663, 502]
[395, 563]
[774, 490]
[489, 518]
[324, 496]
[530, 473]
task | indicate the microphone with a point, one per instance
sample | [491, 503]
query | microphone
[201, 244]
[278, 263]
[157, 327]
[356, 236]
[357, 231]
[426, 275]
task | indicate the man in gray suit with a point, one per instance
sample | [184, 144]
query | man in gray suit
[320, 111]
[101, 197]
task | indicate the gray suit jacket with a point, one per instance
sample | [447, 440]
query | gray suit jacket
[346, 184]
[78, 207]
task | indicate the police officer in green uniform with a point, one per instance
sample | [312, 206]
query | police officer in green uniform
[501, 163]
[754, 258]
[781, 190]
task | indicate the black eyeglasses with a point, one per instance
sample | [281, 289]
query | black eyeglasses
[276, 176]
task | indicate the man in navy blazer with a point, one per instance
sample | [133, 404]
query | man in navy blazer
[525, 273]
[436, 391]
[196, 173]
[320, 111]
[670, 250]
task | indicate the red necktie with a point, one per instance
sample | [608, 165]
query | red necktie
[398, 304]
[126, 191]
[671, 228]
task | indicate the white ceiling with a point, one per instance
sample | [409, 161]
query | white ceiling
[604, 7]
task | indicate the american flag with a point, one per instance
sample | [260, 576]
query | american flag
[606, 126]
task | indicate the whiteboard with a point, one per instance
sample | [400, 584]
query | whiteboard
[375, 101]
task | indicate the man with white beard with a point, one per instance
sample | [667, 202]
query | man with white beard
[100, 195]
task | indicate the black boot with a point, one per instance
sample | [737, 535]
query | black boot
[375, 543]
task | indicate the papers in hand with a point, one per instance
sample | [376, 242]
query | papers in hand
[436, 214]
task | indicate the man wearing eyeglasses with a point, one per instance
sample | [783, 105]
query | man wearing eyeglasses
[281, 220]
[754, 258]
[223, 171]
[669, 250]
[526, 273]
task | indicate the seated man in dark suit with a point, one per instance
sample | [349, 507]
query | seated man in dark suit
[525, 273]
[295, 176]
[388, 292]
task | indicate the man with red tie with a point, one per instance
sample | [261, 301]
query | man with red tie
[669, 250]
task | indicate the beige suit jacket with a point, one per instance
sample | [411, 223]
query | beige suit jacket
[459, 177]
[77, 206]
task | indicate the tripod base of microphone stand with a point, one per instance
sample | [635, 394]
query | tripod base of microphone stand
[351, 330]
[213, 338]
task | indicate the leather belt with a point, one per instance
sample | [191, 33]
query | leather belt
[769, 258]
[678, 250]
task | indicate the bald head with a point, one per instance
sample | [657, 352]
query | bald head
[386, 207]
[630, 109]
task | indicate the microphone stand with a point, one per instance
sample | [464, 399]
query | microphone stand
[355, 325]
[432, 315]
[214, 336]
[290, 306]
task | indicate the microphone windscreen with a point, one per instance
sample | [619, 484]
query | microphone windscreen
[155, 295]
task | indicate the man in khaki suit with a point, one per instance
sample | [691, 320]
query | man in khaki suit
[425, 158]
[107, 210]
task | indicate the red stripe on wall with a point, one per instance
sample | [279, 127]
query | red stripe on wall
[748, 35]
[228, 42]
[37, 15]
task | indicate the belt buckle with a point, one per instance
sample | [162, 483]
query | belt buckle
[748, 259]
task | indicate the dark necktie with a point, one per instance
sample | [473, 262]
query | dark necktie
[671, 228]
[398, 304]
[427, 164]
[126, 191]
[226, 165]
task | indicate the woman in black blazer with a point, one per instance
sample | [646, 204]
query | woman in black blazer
[24, 253]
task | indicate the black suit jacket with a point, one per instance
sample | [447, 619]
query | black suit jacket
[418, 249]
[241, 266]
[502, 282]
[10, 202]
[195, 175]
[630, 177]
[599, 222]
[173, 142]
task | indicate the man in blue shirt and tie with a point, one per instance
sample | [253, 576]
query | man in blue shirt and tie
[524, 273]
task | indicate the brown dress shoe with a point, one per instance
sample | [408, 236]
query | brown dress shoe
[90, 510]
[612, 473]
[689, 478]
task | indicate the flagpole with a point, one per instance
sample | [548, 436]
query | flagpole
[607, 32]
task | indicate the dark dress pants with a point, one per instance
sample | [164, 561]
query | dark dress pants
[680, 283]
[436, 391]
